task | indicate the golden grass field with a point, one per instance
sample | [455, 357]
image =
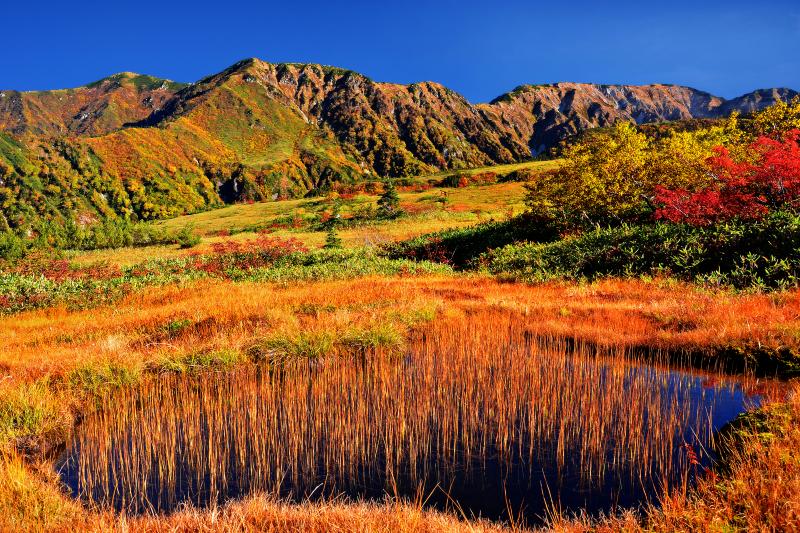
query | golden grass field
[55, 359]
[221, 315]
[60, 365]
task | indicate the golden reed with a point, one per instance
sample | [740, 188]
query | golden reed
[461, 391]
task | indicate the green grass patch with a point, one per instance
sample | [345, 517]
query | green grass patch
[198, 362]
[97, 380]
[29, 412]
[461, 246]
[284, 347]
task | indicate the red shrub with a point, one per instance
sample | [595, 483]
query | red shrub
[260, 252]
[226, 247]
[739, 190]
[276, 247]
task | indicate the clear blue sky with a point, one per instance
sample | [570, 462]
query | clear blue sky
[478, 48]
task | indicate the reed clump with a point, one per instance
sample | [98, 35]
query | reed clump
[464, 394]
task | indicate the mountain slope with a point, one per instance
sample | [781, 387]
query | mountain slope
[100, 107]
[391, 129]
[756, 100]
[139, 146]
[546, 114]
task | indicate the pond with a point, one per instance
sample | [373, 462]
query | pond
[484, 424]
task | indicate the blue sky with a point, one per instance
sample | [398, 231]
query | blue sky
[480, 49]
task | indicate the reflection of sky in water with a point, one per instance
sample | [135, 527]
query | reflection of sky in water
[530, 487]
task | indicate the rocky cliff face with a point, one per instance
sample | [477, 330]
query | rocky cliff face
[547, 114]
[139, 145]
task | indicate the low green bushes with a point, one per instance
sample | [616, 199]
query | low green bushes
[92, 286]
[106, 234]
[13, 247]
[118, 233]
[459, 247]
[742, 254]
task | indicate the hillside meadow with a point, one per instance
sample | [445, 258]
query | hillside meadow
[503, 349]
[428, 208]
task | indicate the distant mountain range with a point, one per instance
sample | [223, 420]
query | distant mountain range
[140, 145]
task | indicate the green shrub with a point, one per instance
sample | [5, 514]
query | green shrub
[332, 239]
[757, 255]
[389, 201]
[13, 247]
[461, 246]
[187, 238]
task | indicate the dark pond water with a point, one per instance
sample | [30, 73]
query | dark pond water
[517, 431]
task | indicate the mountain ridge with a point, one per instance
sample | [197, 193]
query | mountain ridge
[135, 145]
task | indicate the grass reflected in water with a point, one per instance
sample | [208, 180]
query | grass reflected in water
[483, 417]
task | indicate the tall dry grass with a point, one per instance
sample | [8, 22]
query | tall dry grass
[166, 327]
[759, 488]
[465, 393]
[265, 514]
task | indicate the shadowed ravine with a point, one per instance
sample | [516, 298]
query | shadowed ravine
[482, 421]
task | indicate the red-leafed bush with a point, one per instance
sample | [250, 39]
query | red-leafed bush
[746, 190]
[260, 252]
[276, 247]
[59, 270]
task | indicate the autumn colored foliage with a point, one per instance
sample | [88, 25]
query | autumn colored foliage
[739, 189]
[611, 176]
[738, 168]
[245, 255]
